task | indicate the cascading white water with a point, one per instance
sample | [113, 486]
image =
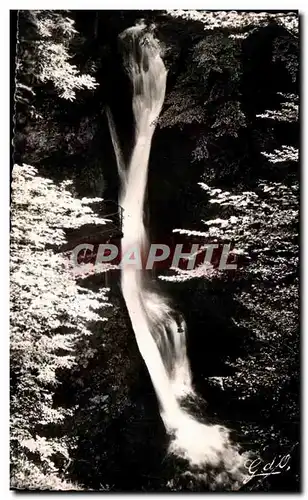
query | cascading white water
[160, 337]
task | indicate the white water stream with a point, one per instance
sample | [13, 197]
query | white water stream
[161, 338]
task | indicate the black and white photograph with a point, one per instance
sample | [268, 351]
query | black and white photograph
[154, 336]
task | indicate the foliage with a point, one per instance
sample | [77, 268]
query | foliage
[54, 33]
[288, 112]
[46, 53]
[213, 71]
[259, 218]
[262, 227]
[50, 316]
[238, 20]
[210, 95]
[46, 79]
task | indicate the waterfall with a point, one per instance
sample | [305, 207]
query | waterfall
[160, 332]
